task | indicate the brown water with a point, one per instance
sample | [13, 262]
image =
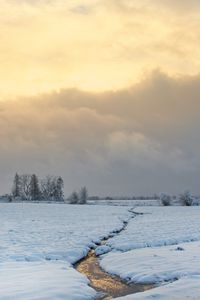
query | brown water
[108, 286]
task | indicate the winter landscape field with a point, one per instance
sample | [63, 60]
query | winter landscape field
[40, 243]
[99, 149]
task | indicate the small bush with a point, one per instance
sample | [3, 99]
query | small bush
[79, 198]
[187, 199]
[165, 200]
[196, 202]
[73, 198]
[83, 195]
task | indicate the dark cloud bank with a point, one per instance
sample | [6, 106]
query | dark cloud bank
[140, 140]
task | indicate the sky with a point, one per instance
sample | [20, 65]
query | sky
[104, 93]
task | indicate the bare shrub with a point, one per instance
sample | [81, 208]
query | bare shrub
[165, 200]
[186, 199]
[73, 198]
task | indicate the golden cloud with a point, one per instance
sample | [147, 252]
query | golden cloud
[94, 45]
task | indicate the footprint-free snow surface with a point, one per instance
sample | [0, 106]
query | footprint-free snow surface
[162, 246]
[159, 226]
[40, 242]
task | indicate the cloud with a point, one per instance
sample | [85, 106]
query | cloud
[94, 45]
[182, 5]
[81, 9]
[143, 139]
[111, 122]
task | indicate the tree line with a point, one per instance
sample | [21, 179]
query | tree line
[30, 187]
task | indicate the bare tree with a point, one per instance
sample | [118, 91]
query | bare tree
[73, 198]
[16, 190]
[26, 185]
[83, 195]
[165, 199]
[34, 188]
[47, 187]
[186, 198]
[58, 189]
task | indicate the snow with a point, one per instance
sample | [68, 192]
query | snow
[42, 281]
[40, 242]
[183, 289]
[102, 250]
[165, 247]
[159, 226]
[131, 202]
[155, 265]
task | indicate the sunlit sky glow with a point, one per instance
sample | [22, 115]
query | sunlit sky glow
[102, 92]
[94, 45]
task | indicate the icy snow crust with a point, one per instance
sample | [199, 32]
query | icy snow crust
[165, 247]
[40, 242]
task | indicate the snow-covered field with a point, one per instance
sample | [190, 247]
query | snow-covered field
[160, 226]
[160, 246]
[153, 202]
[39, 243]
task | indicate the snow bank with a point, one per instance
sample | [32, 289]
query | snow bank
[165, 247]
[155, 265]
[39, 242]
[37, 232]
[42, 281]
[159, 226]
[185, 288]
[102, 250]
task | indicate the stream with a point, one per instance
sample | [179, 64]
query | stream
[108, 286]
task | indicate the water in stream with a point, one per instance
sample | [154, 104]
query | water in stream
[106, 285]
